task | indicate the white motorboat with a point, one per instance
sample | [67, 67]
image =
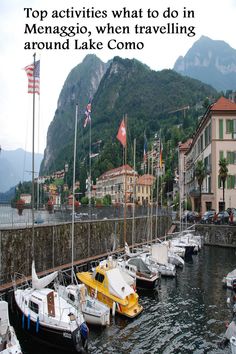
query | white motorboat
[9, 343]
[48, 317]
[157, 260]
[94, 311]
[229, 280]
[138, 269]
[233, 344]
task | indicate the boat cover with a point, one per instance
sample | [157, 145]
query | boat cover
[40, 283]
[160, 253]
[117, 286]
[140, 265]
[232, 274]
[4, 320]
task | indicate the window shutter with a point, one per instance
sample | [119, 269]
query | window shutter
[221, 129]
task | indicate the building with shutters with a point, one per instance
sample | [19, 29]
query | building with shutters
[215, 137]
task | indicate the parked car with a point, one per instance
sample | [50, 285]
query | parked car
[208, 217]
[222, 217]
[232, 217]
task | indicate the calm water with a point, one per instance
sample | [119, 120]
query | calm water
[186, 315]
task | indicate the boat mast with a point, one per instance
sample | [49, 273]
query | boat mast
[73, 196]
[33, 132]
[134, 194]
[90, 184]
[125, 187]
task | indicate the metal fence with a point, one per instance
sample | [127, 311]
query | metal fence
[9, 216]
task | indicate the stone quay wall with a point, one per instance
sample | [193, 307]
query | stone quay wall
[52, 243]
[217, 235]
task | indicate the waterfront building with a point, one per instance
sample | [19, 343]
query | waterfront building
[144, 187]
[112, 183]
[215, 138]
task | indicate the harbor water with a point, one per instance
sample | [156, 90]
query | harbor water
[185, 315]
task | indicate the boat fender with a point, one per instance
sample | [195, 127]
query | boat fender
[37, 325]
[84, 331]
[23, 320]
[28, 322]
[113, 308]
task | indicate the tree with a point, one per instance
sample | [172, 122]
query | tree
[223, 173]
[200, 173]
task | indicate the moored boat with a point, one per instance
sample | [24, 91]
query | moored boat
[145, 278]
[229, 280]
[107, 281]
[9, 343]
[94, 311]
[48, 317]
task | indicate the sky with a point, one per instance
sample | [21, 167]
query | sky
[215, 19]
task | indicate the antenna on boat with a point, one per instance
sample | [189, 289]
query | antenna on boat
[73, 196]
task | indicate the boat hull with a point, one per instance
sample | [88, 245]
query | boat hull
[52, 337]
[128, 307]
[142, 283]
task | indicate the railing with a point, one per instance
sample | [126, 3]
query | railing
[9, 216]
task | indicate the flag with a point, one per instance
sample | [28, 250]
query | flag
[121, 135]
[88, 113]
[33, 73]
[145, 148]
[160, 159]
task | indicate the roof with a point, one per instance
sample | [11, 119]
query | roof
[146, 180]
[223, 104]
[116, 172]
[186, 145]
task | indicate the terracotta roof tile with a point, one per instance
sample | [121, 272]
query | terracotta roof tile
[223, 104]
[146, 180]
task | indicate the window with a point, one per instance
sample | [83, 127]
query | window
[221, 131]
[229, 126]
[231, 157]
[209, 184]
[234, 129]
[99, 277]
[33, 306]
[230, 182]
[221, 155]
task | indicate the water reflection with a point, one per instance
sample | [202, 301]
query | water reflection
[186, 315]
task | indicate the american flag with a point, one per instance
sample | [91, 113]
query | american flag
[33, 73]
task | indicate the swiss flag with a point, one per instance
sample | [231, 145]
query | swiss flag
[121, 136]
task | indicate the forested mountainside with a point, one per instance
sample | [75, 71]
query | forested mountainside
[153, 102]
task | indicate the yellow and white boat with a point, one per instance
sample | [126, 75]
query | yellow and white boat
[107, 283]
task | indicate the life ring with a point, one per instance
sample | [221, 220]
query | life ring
[92, 292]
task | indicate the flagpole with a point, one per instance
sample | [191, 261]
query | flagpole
[33, 132]
[134, 194]
[73, 197]
[125, 181]
[90, 184]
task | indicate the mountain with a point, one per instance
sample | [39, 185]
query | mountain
[16, 166]
[124, 86]
[210, 61]
[81, 84]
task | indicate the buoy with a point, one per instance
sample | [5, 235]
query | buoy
[113, 308]
[37, 325]
[28, 323]
[23, 321]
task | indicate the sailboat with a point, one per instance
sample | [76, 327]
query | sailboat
[46, 315]
[106, 279]
[94, 311]
[9, 343]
